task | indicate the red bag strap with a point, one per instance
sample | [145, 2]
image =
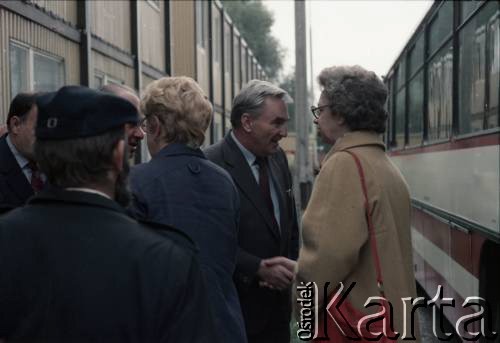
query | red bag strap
[371, 229]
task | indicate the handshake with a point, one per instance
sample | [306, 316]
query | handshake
[277, 272]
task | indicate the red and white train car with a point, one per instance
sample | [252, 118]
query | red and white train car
[444, 135]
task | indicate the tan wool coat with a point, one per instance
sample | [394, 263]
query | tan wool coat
[336, 246]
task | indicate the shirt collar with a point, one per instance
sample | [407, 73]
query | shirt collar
[21, 160]
[249, 156]
[88, 190]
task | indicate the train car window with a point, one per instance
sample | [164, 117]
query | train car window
[416, 56]
[466, 8]
[493, 119]
[415, 109]
[440, 85]
[400, 118]
[401, 73]
[472, 75]
[441, 26]
[388, 108]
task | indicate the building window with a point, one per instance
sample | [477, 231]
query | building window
[216, 29]
[101, 79]
[19, 80]
[236, 63]
[32, 70]
[202, 23]
[227, 49]
[154, 3]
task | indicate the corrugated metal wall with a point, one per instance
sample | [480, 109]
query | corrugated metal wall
[183, 38]
[62, 9]
[15, 27]
[111, 22]
[146, 80]
[153, 34]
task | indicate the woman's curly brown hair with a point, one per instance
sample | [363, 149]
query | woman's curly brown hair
[357, 95]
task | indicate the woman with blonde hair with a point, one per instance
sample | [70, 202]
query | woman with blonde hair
[356, 228]
[181, 188]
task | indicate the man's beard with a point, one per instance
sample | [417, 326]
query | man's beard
[122, 192]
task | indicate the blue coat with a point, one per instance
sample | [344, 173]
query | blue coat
[181, 188]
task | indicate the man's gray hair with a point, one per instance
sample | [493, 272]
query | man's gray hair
[356, 94]
[251, 99]
[116, 89]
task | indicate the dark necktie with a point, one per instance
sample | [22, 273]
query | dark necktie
[36, 177]
[264, 185]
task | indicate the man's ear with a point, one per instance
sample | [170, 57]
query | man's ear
[119, 155]
[154, 127]
[15, 123]
[246, 122]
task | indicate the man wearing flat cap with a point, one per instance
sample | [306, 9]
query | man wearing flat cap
[74, 266]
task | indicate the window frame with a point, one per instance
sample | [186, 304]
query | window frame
[424, 29]
[463, 24]
[30, 67]
[154, 4]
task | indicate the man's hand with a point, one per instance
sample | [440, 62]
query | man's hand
[3, 131]
[276, 272]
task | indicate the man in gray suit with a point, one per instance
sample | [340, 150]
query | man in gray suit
[268, 231]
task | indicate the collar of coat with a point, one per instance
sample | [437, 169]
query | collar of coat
[173, 149]
[78, 198]
[355, 139]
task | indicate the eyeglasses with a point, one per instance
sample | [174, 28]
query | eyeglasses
[316, 110]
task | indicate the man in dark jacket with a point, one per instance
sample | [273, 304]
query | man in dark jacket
[268, 230]
[74, 267]
[19, 175]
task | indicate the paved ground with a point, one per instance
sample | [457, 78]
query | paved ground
[426, 328]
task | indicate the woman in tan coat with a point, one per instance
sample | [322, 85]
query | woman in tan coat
[336, 244]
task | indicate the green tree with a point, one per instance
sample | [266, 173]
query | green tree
[254, 22]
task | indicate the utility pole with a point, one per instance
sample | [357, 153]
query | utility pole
[302, 181]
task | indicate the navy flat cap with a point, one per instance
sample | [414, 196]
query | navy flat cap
[76, 112]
